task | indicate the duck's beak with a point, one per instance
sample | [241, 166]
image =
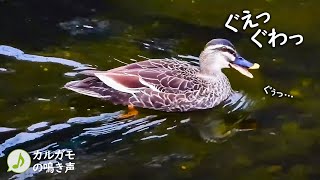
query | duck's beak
[242, 65]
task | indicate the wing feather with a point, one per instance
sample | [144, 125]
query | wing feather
[157, 75]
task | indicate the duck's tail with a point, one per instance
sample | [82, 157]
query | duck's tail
[90, 86]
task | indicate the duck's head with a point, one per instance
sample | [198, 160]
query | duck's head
[219, 54]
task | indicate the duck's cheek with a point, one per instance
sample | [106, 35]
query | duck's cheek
[226, 64]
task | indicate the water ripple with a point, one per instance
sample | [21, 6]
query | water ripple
[38, 126]
[20, 55]
[105, 123]
[133, 126]
[154, 137]
[24, 137]
[86, 120]
[5, 129]
[238, 101]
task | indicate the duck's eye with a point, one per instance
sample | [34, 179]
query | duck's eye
[224, 49]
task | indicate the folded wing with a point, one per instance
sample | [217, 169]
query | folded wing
[157, 75]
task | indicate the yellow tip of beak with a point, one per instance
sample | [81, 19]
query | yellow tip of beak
[255, 66]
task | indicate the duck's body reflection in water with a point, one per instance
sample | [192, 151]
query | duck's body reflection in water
[219, 124]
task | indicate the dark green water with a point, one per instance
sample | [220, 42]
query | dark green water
[263, 137]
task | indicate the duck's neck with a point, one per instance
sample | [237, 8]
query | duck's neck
[209, 71]
[212, 77]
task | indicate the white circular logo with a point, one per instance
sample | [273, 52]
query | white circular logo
[18, 161]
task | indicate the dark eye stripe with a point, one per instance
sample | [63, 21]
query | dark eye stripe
[224, 49]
